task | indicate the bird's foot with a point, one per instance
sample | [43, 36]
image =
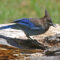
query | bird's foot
[29, 37]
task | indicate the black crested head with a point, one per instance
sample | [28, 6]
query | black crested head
[48, 19]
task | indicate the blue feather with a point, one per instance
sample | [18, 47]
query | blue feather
[26, 22]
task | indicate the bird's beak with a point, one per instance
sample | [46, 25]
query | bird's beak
[54, 25]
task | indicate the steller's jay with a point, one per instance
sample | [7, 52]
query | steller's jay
[32, 26]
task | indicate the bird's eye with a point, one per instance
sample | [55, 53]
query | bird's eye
[49, 20]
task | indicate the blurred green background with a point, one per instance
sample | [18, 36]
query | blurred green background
[15, 9]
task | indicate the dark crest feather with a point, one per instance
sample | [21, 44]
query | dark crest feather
[46, 13]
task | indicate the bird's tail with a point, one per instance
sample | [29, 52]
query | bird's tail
[8, 26]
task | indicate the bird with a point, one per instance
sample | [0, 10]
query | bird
[32, 26]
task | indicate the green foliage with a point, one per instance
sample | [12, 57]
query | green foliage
[15, 9]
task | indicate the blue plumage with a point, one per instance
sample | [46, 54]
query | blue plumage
[26, 22]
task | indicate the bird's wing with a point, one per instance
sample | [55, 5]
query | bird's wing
[26, 22]
[17, 20]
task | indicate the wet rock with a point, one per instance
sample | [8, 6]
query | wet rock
[51, 39]
[53, 51]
